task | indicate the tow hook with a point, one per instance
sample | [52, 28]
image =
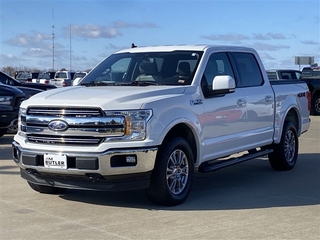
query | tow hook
[95, 177]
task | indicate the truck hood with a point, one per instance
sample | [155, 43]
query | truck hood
[106, 97]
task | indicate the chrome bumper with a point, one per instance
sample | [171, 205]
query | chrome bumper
[105, 171]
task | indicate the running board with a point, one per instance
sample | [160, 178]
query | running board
[217, 164]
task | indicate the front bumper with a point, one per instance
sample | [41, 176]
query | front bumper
[96, 171]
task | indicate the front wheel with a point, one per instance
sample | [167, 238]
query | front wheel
[172, 176]
[45, 189]
[285, 153]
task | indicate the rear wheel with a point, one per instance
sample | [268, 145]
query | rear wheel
[316, 105]
[285, 154]
[172, 177]
[45, 189]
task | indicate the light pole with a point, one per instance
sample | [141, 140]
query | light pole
[53, 40]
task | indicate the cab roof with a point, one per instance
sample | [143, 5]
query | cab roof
[170, 48]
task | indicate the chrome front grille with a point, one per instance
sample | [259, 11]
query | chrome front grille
[65, 112]
[66, 140]
[85, 126]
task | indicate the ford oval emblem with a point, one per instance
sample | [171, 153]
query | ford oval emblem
[58, 125]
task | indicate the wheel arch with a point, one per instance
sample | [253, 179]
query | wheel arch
[293, 116]
[185, 131]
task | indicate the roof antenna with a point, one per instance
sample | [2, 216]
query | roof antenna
[133, 46]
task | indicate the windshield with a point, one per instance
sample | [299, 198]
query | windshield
[79, 75]
[44, 76]
[61, 75]
[156, 68]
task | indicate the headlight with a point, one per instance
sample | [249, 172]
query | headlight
[22, 121]
[135, 123]
[5, 100]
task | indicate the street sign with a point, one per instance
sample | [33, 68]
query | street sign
[304, 60]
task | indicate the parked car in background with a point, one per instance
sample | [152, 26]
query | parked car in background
[311, 76]
[77, 77]
[10, 99]
[44, 77]
[8, 80]
[27, 76]
[28, 92]
[274, 74]
[62, 78]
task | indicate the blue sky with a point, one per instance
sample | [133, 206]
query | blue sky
[87, 31]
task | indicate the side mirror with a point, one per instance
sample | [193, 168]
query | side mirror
[223, 84]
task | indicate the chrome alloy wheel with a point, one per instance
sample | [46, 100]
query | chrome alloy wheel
[317, 105]
[289, 146]
[177, 171]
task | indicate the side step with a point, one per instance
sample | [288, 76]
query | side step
[218, 164]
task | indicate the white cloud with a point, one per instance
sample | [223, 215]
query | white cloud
[226, 37]
[123, 24]
[259, 46]
[29, 40]
[309, 42]
[91, 31]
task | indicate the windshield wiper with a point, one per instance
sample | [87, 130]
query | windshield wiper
[104, 83]
[96, 83]
[143, 83]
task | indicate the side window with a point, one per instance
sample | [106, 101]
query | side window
[298, 75]
[218, 64]
[249, 70]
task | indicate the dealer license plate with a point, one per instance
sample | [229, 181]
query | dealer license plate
[58, 161]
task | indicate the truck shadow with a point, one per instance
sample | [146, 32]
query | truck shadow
[249, 185]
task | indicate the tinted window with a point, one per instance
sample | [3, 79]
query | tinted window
[272, 75]
[165, 68]
[61, 75]
[249, 70]
[290, 75]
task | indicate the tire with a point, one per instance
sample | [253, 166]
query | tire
[316, 105]
[285, 154]
[172, 176]
[46, 189]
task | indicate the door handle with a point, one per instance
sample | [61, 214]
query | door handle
[268, 98]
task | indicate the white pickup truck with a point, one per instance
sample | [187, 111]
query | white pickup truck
[149, 117]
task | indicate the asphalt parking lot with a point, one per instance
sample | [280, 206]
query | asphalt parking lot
[245, 201]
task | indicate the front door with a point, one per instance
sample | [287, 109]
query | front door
[223, 123]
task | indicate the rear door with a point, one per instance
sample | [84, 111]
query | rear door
[259, 99]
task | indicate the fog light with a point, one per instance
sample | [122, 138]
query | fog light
[123, 161]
